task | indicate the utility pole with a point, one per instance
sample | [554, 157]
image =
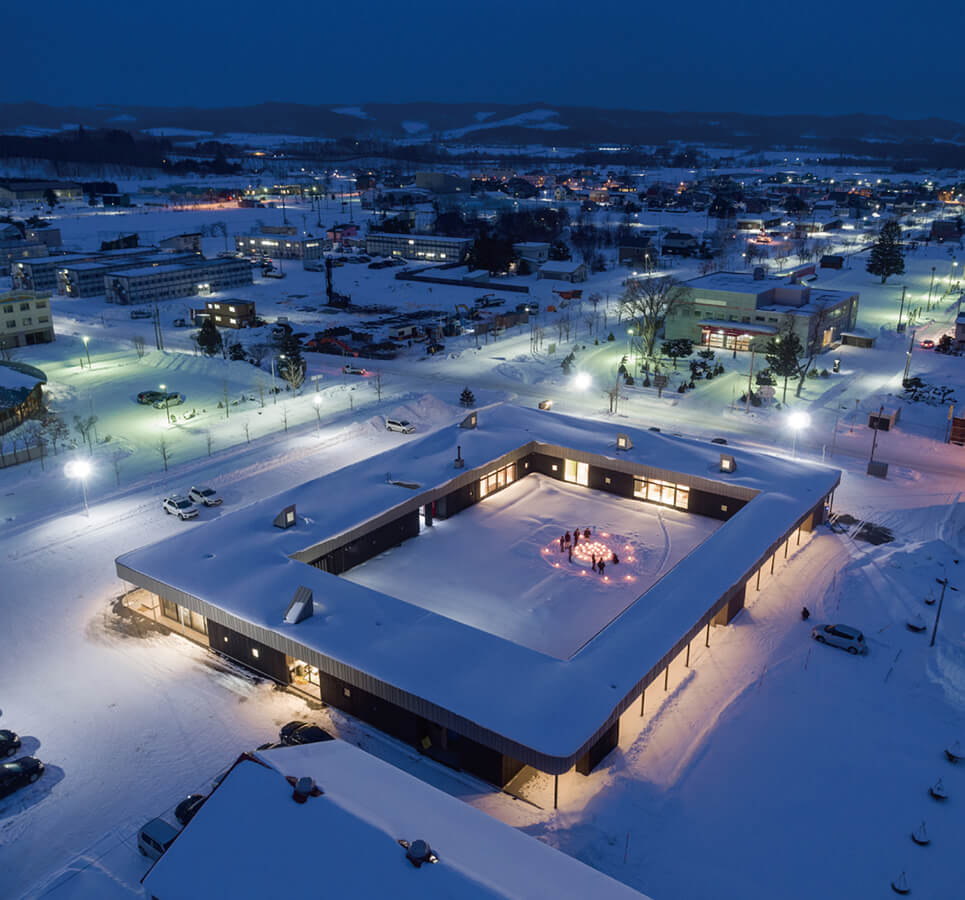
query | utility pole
[944, 583]
[874, 440]
[750, 376]
[911, 347]
[901, 309]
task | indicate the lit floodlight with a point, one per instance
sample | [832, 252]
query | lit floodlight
[582, 381]
[80, 469]
[317, 400]
[798, 420]
[77, 468]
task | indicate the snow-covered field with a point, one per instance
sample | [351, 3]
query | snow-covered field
[770, 767]
[544, 598]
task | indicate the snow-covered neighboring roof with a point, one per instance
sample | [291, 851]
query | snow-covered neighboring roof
[252, 840]
[567, 266]
[244, 565]
[18, 379]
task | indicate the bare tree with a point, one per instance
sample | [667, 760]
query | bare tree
[85, 428]
[247, 436]
[284, 416]
[32, 432]
[55, 429]
[378, 385]
[292, 372]
[648, 302]
[208, 440]
[162, 448]
[138, 343]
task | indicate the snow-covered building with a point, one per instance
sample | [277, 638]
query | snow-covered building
[495, 651]
[728, 310]
[562, 270]
[358, 824]
[86, 279]
[430, 247]
[148, 284]
[279, 246]
[41, 274]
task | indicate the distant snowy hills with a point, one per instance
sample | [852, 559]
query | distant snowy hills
[498, 123]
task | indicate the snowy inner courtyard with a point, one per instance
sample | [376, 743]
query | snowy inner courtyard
[498, 566]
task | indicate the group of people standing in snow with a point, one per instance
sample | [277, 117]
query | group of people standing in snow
[568, 544]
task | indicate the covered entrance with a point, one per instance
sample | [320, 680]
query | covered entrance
[720, 335]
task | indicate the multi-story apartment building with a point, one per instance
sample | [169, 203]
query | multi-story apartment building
[432, 247]
[41, 274]
[86, 279]
[283, 246]
[148, 284]
[25, 319]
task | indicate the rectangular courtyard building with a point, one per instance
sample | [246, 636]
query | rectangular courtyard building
[429, 247]
[431, 591]
[279, 246]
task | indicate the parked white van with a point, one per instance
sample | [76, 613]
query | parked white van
[402, 425]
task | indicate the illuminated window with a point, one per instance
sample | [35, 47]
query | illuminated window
[497, 479]
[576, 472]
[255, 652]
[663, 492]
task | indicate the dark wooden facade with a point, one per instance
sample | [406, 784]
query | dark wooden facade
[242, 649]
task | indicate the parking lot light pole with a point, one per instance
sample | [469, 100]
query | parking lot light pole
[938, 614]
[167, 418]
[80, 469]
[86, 341]
[317, 401]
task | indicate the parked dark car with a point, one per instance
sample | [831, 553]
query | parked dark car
[185, 811]
[303, 733]
[9, 742]
[719, 441]
[149, 397]
[14, 775]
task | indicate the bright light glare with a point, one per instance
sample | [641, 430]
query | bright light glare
[317, 400]
[78, 468]
[582, 380]
[798, 421]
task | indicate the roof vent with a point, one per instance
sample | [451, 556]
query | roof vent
[727, 463]
[624, 442]
[301, 606]
[459, 462]
[286, 518]
[469, 422]
[418, 852]
[304, 788]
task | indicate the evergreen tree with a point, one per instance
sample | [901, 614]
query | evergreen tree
[676, 349]
[291, 348]
[467, 398]
[236, 351]
[886, 256]
[209, 338]
[782, 352]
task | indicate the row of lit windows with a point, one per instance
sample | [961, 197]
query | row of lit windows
[666, 492]
[496, 480]
[188, 618]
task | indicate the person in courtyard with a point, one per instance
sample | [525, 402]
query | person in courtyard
[614, 558]
[601, 566]
[571, 553]
[805, 613]
[586, 533]
[561, 543]
[592, 560]
[566, 537]
[576, 536]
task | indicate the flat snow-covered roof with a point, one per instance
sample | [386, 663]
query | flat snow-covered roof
[242, 564]
[252, 840]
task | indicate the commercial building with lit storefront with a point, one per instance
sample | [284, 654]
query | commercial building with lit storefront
[522, 656]
[728, 310]
[429, 247]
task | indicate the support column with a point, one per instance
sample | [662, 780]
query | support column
[666, 678]
[556, 791]
[707, 638]
[759, 578]
[773, 557]
[798, 536]
[787, 544]
[687, 663]
[643, 696]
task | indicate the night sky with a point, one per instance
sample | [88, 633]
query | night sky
[747, 56]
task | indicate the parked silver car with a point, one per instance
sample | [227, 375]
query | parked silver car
[179, 506]
[204, 495]
[155, 837]
[843, 636]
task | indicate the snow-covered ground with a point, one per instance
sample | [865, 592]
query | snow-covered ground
[770, 767]
[544, 598]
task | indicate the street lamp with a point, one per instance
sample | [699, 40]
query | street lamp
[86, 341]
[167, 415]
[582, 381]
[951, 272]
[274, 392]
[317, 400]
[81, 469]
[797, 421]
